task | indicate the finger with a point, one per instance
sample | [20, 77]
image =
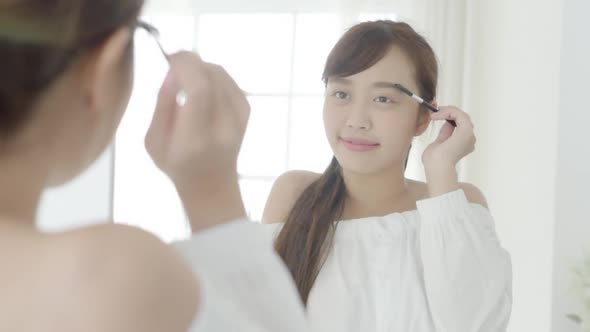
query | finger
[185, 57]
[234, 94]
[222, 114]
[461, 118]
[163, 116]
[445, 132]
[186, 66]
[230, 102]
[194, 79]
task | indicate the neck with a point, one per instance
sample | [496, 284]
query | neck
[376, 190]
[22, 179]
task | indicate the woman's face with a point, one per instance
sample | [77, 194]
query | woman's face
[369, 124]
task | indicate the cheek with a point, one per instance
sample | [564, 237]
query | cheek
[125, 87]
[129, 73]
[333, 121]
[395, 129]
[122, 92]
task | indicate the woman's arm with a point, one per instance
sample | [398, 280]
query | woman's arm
[467, 274]
[245, 285]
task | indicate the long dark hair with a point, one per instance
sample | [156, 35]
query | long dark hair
[40, 38]
[309, 228]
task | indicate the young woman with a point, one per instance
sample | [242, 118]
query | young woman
[369, 249]
[66, 77]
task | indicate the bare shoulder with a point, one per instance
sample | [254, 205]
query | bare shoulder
[473, 194]
[116, 278]
[284, 193]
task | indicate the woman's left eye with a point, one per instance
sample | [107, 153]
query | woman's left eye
[384, 100]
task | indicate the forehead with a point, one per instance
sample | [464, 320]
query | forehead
[394, 67]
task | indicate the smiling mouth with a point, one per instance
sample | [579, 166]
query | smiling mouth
[359, 145]
[358, 141]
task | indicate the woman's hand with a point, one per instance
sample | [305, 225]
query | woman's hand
[452, 144]
[197, 144]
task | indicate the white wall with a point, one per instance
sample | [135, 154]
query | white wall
[512, 92]
[84, 201]
[572, 221]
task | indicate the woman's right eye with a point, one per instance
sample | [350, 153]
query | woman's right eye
[341, 95]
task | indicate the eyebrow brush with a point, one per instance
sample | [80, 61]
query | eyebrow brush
[421, 101]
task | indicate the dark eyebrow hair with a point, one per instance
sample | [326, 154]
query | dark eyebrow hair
[386, 85]
[381, 84]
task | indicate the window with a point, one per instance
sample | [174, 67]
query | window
[278, 59]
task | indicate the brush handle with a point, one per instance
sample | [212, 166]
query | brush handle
[421, 101]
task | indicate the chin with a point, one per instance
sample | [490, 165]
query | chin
[360, 165]
[71, 170]
[366, 164]
[62, 177]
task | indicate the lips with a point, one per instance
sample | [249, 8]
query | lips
[359, 144]
[359, 141]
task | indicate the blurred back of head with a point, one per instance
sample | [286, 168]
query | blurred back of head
[39, 39]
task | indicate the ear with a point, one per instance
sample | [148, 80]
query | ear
[422, 123]
[101, 67]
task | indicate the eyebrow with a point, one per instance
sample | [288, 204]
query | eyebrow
[385, 85]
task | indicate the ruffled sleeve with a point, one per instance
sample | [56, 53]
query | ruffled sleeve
[467, 274]
[244, 284]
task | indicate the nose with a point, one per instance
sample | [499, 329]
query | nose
[358, 118]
